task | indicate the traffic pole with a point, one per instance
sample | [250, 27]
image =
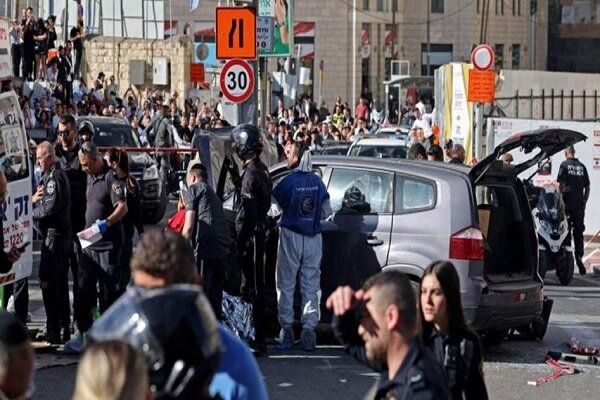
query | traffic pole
[478, 131]
[262, 66]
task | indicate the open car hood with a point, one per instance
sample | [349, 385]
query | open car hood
[546, 142]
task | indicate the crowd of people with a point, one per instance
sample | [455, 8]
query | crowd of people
[421, 345]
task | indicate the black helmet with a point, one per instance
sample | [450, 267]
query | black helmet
[355, 200]
[176, 331]
[246, 139]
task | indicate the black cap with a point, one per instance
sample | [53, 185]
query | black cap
[12, 331]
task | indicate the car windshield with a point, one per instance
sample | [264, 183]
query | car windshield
[337, 151]
[379, 151]
[115, 136]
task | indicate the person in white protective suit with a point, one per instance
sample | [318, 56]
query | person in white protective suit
[304, 201]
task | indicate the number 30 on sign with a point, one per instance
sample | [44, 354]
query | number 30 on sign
[237, 81]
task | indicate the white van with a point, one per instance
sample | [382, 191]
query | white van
[16, 210]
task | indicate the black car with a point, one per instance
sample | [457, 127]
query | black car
[115, 132]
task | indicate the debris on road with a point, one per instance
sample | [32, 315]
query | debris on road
[579, 348]
[560, 369]
[573, 358]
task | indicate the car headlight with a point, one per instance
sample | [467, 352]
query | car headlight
[150, 173]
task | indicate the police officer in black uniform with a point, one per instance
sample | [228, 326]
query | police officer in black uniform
[252, 204]
[53, 202]
[67, 150]
[378, 326]
[106, 207]
[575, 188]
[206, 227]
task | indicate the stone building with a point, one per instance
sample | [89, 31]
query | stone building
[354, 39]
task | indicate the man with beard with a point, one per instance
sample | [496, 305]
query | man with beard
[378, 325]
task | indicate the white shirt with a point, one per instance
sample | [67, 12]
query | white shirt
[424, 123]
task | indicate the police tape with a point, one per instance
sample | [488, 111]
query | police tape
[7, 278]
[143, 149]
[560, 369]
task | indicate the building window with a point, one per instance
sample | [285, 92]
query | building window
[499, 55]
[478, 6]
[437, 6]
[386, 5]
[366, 5]
[516, 56]
[519, 8]
[499, 7]
[514, 8]
[439, 55]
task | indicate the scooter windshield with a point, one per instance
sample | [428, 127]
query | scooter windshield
[551, 205]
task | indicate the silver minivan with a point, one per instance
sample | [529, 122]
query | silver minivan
[406, 214]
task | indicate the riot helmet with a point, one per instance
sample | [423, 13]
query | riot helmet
[176, 331]
[246, 139]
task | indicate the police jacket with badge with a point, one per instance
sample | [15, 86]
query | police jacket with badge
[254, 200]
[573, 174]
[53, 211]
[211, 232]
[420, 376]
[461, 356]
[301, 196]
[104, 192]
[69, 163]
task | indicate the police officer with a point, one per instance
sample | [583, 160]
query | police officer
[53, 200]
[106, 206]
[378, 325]
[67, 150]
[206, 226]
[575, 188]
[252, 204]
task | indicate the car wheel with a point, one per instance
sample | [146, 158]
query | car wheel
[565, 268]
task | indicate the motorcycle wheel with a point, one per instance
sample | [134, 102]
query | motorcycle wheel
[565, 268]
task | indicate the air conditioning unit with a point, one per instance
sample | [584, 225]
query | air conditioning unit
[137, 72]
[161, 71]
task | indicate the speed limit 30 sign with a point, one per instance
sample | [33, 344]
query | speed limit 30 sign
[237, 81]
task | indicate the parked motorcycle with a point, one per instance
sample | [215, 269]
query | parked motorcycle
[554, 236]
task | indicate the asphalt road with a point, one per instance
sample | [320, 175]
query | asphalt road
[328, 373]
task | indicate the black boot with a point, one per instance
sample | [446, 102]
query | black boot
[580, 265]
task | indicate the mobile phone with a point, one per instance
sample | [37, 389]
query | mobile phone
[22, 247]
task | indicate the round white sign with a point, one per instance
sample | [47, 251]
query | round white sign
[237, 81]
[482, 57]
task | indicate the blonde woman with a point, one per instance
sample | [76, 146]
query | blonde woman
[112, 370]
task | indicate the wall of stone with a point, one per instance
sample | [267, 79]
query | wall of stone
[112, 56]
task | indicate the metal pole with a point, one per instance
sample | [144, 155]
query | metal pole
[478, 130]
[263, 91]
[533, 50]
[354, 44]
[428, 35]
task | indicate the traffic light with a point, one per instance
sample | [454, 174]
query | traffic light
[532, 7]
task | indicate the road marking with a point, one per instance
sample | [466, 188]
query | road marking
[576, 318]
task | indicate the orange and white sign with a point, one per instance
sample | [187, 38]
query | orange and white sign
[236, 32]
[482, 86]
